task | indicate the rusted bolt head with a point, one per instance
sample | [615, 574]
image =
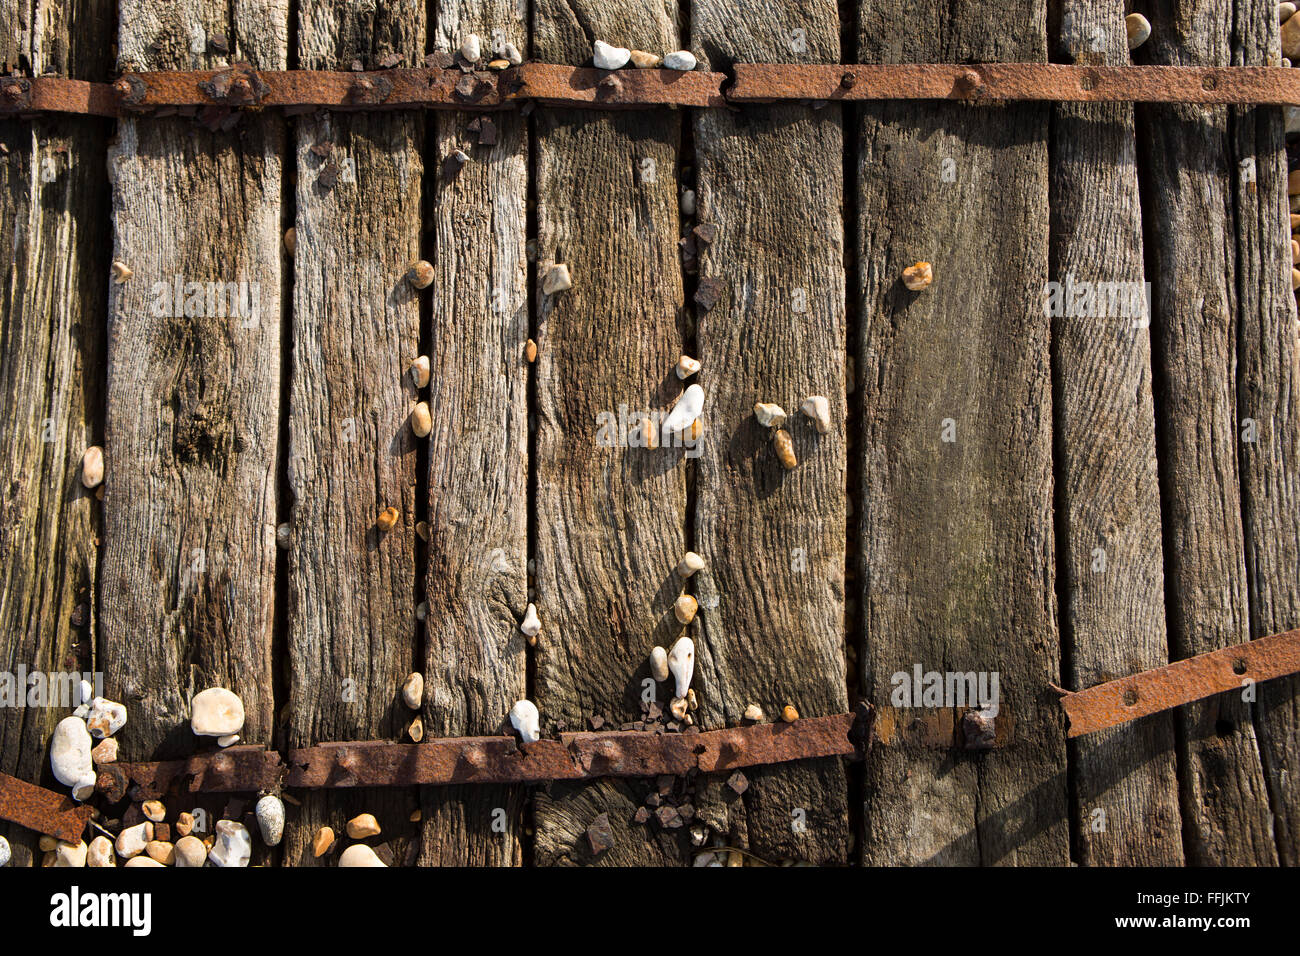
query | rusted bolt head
[122, 87]
[362, 84]
[474, 756]
[969, 81]
[848, 80]
[610, 83]
[13, 92]
[1209, 83]
[978, 730]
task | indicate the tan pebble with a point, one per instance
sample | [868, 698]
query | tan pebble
[420, 274]
[1295, 279]
[818, 409]
[789, 714]
[358, 854]
[362, 826]
[691, 702]
[1295, 252]
[498, 65]
[687, 366]
[754, 712]
[415, 815]
[49, 859]
[1295, 222]
[678, 707]
[421, 420]
[413, 690]
[1138, 29]
[100, 853]
[164, 853]
[557, 279]
[916, 277]
[645, 61]
[142, 861]
[387, 519]
[1291, 38]
[689, 564]
[784, 448]
[321, 843]
[190, 852]
[1293, 183]
[420, 371]
[210, 841]
[695, 431]
[92, 467]
[121, 272]
[154, 810]
[659, 663]
[291, 240]
[422, 529]
[47, 843]
[530, 351]
[416, 730]
[185, 824]
[684, 608]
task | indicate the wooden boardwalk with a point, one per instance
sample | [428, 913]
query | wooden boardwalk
[1051, 499]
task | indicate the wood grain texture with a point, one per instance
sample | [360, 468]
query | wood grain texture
[772, 593]
[957, 536]
[193, 398]
[1268, 392]
[476, 582]
[352, 626]
[1185, 161]
[610, 519]
[1112, 566]
[53, 270]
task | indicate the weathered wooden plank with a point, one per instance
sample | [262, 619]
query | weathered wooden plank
[957, 537]
[1268, 393]
[352, 626]
[476, 582]
[772, 594]
[610, 519]
[53, 199]
[1185, 162]
[193, 395]
[1113, 607]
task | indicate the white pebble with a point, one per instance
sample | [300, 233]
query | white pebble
[358, 854]
[769, 415]
[100, 853]
[525, 719]
[754, 712]
[141, 861]
[228, 740]
[684, 413]
[420, 371]
[470, 48]
[216, 712]
[689, 564]
[606, 57]
[234, 846]
[659, 664]
[270, 819]
[105, 717]
[71, 854]
[687, 366]
[818, 409]
[688, 202]
[680, 60]
[92, 467]
[532, 626]
[557, 279]
[681, 661]
[5, 853]
[512, 54]
[70, 753]
[413, 690]
[85, 693]
[131, 841]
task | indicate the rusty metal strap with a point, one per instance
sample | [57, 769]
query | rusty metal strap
[443, 87]
[1125, 699]
[42, 810]
[456, 760]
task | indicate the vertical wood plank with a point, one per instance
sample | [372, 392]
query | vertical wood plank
[476, 582]
[1185, 160]
[352, 628]
[957, 537]
[188, 572]
[1112, 567]
[610, 519]
[772, 594]
[54, 275]
[1268, 393]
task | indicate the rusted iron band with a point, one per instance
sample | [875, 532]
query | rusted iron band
[42, 810]
[993, 82]
[1125, 699]
[455, 760]
[242, 87]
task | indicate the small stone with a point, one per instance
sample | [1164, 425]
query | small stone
[642, 815]
[1285, 11]
[526, 721]
[498, 65]
[228, 740]
[234, 845]
[688, 202]
[105, 752]
[659, 664]
[413, 690]
[387, 519]
[100, 852]
[680, 60]
[512, 54]
[132, 840]
[460, 156]
[684, 413]
[420, 274]
[470, 48]
[291, 240]
[163, 852]
[1293, 183]
[691, 702]
[416, 729]
[784, 449]
[557, 279]
[606, 57]
[668, 817]
[121, 271]
[531, 626]
[6, 854]
[216, 712]
[818, 409]
[684, 608]
[105, 717]
[141, 861]
[1138, 28]
[738, 782]
[600, 834]
[421, 420]
[362, 826]
[689, 564]
[92, 467]
[321, 843]
[530, 351]
[789, 714]
[687, 366]
[190, 852]
[85, 692]
[753, 712]
[416, 815]
[422, 610]
[185, 824]
[643, 60]
[283, 535]
[698, 835]
[769, 415]
[358, 854]
[270, 819]
[678, 706]
[681, 662]
[420, 371]
[154, 810]
[70, 755]
[71, 854]
[917, 276]
[46, 843]
[422, 530]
